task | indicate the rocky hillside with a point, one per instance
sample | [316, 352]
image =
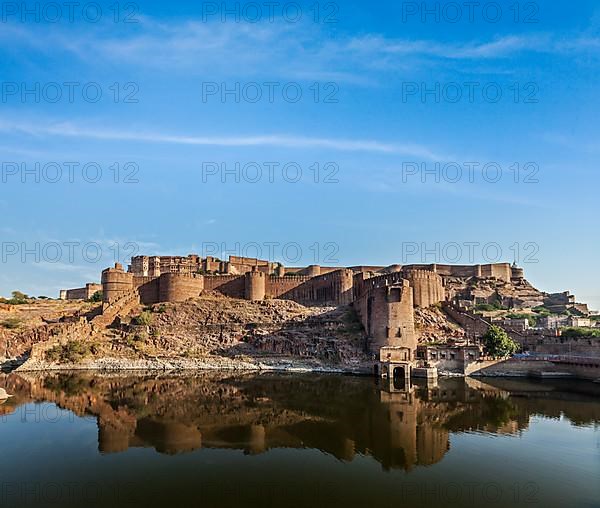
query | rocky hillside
[23, 325]
[212, 330]
[434, 326]
[518, 294]
[217, 325]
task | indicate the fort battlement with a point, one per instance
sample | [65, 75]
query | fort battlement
[257, 279]
[500, 271]
[428, 287]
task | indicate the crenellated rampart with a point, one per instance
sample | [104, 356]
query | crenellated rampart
[428, 287]
[501, 271]
[333, 288]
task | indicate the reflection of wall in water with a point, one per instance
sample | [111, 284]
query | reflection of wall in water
[338, 415]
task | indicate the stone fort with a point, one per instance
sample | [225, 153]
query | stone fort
[384, 297]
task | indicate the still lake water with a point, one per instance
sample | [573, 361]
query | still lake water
[296, 440]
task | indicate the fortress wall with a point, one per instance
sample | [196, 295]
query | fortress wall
[229, 285]
[501, 271]
[428, 288]
[463, 271]
[115, 283]
[239, 269]
[214, 282]
[293, 270]
[445, 270]
[238, 260]
[363, 284]
[334, 288]
[76, 294]
[277, 286]
[82, 293]
[558, 345]
[178, 287]
[474, 325]
[313, 270]
[367, 268]
[329, 269]
[391, 269]
[255, 285]
[92, 289]
[148, 289]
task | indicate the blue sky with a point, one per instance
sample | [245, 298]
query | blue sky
[533, 114]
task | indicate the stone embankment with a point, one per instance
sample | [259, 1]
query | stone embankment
[516, 367]
[279, 364]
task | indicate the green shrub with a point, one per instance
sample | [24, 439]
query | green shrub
[72, 352]
[542, 311]
[577, 333]
[136, 340]
[131, 340]
[145, 319]
[496, 304]
[141, 337]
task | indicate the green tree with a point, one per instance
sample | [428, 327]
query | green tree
[579, 333]
[96, 297]
[498, 344]
[18, 295]
[18, 298]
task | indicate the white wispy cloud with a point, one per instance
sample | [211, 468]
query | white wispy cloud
[296, 51]
[69, 129]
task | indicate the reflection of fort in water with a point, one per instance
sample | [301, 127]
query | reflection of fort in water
[342, 416]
